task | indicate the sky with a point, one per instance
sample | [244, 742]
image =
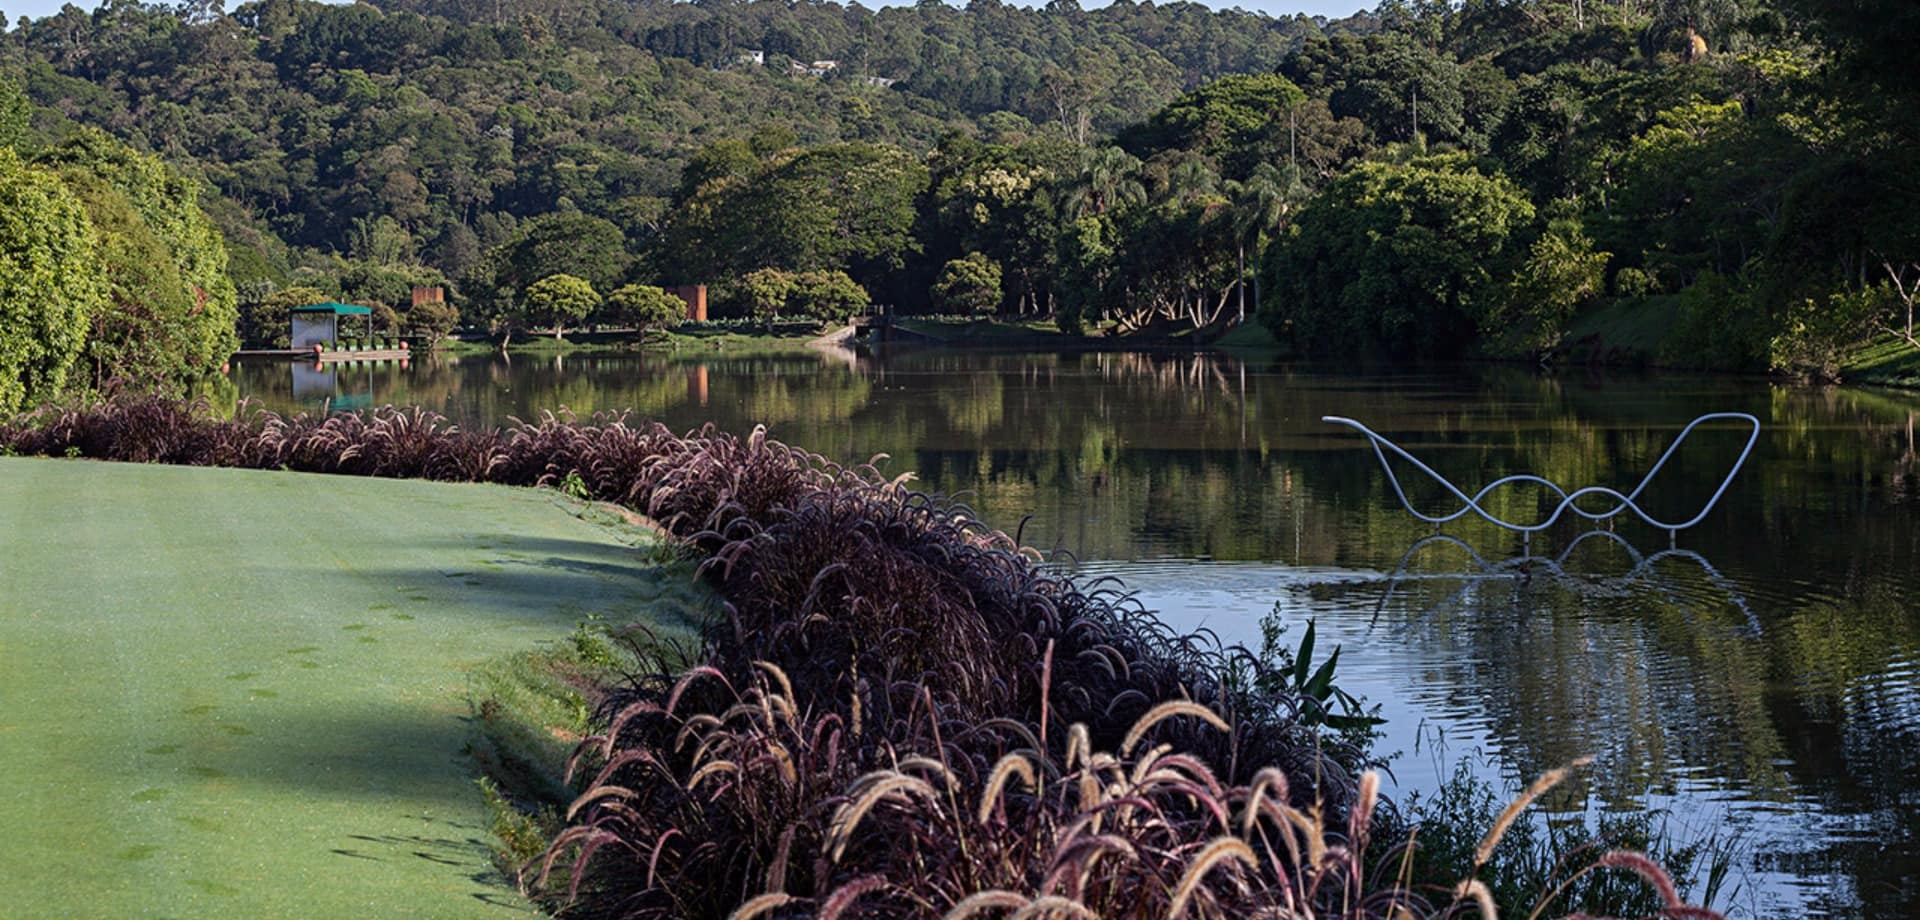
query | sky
[1333, 9]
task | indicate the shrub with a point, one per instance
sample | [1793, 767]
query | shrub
[172, 301]
[644, 307]
[386, 320]
[1716, 327]
[1815, 336]
[828, 296]
[1561, 273]
[969, 285]
[431, 321]
[139, 336]
[1634, 283]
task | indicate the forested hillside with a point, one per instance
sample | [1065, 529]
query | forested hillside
[458, 119]
[1732, 180]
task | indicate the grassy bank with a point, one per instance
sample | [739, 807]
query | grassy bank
[731, 338]
[737, 337]
[960, 331]
[1624, 330]
[1250, 335]
[1632, 331]
[240, 693]
[1886, 361]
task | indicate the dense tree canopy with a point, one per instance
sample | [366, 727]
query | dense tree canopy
[586, 248]
[458, 119]
[828, 296]
[1415, 179]
[1231, 113]
[1407, 259]
[839, 206]
[50, 282]
[172, 308]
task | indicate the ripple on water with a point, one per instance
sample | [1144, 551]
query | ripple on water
[1433, 646]
[1890, 700]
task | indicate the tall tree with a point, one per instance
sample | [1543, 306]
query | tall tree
[50, 283]
[1406, 259]
[179, 316]
[839, 206]
[1695, 24]
[556, 300]
[1262, 203]
[1228, 113]
[1108, 179]
[573, 244]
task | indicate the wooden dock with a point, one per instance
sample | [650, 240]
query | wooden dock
[369, 355]
[329, 356]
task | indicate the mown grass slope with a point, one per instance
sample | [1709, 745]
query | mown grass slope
[1886, 360]
[243, 693]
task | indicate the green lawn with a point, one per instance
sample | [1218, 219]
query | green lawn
[1011, 331]
[243, 694]
[1252, 334]
[1888, 359]
[787, 337]
[1637, 326]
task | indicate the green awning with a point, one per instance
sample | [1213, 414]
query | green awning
[337, 309]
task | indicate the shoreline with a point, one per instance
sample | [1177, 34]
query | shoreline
[1884, 362]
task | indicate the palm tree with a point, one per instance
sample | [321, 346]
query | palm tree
[1261, 204]
[1107, 179]
[1192, 182]
[1696, 19]
[1192, 199]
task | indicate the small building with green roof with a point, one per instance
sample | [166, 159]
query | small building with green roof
[319, 324]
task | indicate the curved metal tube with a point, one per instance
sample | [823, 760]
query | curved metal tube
[1567, 499]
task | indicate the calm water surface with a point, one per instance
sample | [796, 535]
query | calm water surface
[1759, 676]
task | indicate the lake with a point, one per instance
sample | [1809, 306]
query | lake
[1757, 675]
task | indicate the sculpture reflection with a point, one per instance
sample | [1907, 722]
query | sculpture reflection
[1642, 570]
[1653, 663]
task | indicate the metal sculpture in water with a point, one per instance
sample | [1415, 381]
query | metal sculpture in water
[1568, 499]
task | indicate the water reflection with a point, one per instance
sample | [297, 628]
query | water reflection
[1522, 570]
[336, 386]
[1608, 665]
[1760, 673]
